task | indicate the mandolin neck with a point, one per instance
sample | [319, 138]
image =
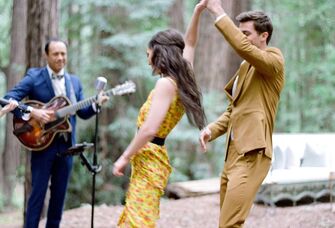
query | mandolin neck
[71, 109]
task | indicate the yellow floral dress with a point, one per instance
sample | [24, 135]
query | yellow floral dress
[150, 172]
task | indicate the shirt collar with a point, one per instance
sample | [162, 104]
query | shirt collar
[50, 71]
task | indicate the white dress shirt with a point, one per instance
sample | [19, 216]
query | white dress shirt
[58, 84]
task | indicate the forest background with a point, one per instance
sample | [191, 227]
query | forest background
[109, 38]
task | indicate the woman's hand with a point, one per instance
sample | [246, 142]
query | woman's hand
[120, 165]
[9, 107]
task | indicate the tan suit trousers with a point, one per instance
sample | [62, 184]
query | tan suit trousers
[241, 177]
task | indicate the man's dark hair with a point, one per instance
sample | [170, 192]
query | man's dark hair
[46, 47]
[262, 22]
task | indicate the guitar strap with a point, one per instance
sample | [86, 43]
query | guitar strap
[73, 100]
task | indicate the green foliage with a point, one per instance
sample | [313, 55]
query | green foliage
[5, 21]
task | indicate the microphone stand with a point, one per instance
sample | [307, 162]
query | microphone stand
[78, 149]
[95, 167]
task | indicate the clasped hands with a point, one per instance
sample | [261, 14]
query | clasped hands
[214, 6]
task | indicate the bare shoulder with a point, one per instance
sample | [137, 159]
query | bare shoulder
[166, 85]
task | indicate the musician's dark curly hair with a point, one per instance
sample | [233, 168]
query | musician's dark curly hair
[167, 58]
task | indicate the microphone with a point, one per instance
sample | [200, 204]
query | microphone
[100, 84]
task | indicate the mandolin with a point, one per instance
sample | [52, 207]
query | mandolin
[37, 136]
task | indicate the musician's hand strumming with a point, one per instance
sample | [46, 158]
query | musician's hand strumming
[43, 115]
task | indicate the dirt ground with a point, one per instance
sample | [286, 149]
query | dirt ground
[199, 212]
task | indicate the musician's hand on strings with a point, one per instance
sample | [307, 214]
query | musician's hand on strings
[120, 165]
[43, 115]
[102, 98]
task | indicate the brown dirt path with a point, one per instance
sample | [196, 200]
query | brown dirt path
[203, 212]
[197, 212]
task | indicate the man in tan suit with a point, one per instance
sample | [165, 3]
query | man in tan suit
[253, 93]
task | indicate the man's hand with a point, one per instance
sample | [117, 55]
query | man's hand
[205, 136]
[43, 115]
[215, 7]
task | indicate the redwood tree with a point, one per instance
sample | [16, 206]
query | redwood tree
[215, 61]
[43, 18]
[10, 158]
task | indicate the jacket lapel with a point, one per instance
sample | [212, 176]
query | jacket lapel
[241, 78]
[67, 85]
[69, 89]
[229, 87]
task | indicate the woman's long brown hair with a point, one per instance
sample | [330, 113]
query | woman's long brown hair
[167, 58]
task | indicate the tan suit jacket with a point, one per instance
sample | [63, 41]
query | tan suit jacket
[252, 111]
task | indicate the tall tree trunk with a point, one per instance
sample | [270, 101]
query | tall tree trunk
[43, 18]
[176, 15]
[10, 158]
[233, 60]
[210, 56]
[215, 61]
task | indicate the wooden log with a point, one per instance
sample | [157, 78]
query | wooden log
[193, 188]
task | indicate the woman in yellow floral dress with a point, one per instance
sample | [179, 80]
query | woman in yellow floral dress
[175, 93]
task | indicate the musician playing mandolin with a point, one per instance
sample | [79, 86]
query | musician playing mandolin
[42, 85]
